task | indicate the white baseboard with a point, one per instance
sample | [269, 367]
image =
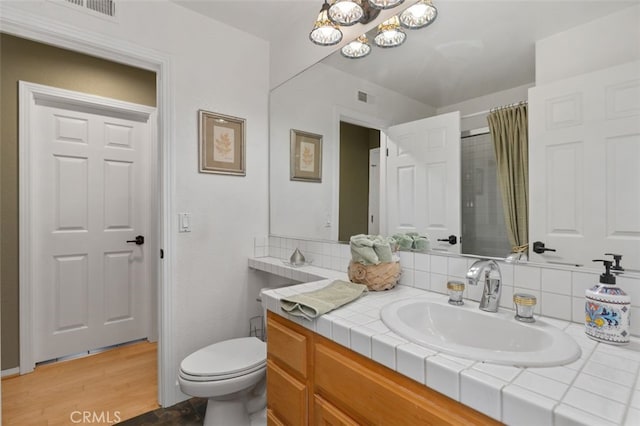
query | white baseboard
[10, 372]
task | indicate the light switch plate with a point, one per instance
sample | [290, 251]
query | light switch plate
[184, 222]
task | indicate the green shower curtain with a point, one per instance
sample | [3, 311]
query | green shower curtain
[509, 130]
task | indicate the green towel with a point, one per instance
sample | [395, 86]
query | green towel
[383, 250]
[404, 241]
[362, 250]
[315, 303]
[421, 243]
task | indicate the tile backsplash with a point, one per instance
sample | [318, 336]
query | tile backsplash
[559, 289]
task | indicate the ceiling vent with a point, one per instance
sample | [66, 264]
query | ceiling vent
[362, 96]
[100, 7]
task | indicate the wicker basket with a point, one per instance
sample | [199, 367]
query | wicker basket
[376, 277]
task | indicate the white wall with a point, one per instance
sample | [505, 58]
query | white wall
[216, 68]
[609, 41]
[484, 104]
[315, 101]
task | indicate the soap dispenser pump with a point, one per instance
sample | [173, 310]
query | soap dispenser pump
[607, 309]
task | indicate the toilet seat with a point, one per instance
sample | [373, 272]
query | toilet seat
[225, 360]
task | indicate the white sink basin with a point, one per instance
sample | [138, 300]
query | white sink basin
[467, 332]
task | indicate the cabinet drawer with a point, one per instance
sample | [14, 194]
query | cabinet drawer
[287, 346]
[326, 414]
[286, 396]
[373, 394]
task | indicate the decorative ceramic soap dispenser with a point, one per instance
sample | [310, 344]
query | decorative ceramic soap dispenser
[607, 309]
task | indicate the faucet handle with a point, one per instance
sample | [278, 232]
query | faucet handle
[524, 306]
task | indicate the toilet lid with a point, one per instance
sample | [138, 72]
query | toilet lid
[228, 358]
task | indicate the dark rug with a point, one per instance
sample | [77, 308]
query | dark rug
[188, 413]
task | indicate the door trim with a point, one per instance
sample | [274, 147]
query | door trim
[30, 26]
[31, 95]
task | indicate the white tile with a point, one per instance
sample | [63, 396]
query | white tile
[525, 408]
[556, 281]
[502, 372]
[582, 281]
[631, 286]
[438, 283]
[438, 264]
[336, 264]
[603, 387]
[635, 399]
[335, 250]
[457, 267]
[541, 385]
[443, 376]
[407, 277]
[482, 392]
[604, 354]
[565, 415]
[527, 277]
[421, 279]
[406, 259]
[383, 349]
[506, 271]
[609, 373]
[595, 404]
[556, 306]
[326, 249]
[633, 417]
[422, 262]
[506, 297]
[411, 361]
[379, 327]
[634, 313]
[323, 326]
[361, 340]
[630, 351]
[474, 292]
[577, 309]
[560, 374]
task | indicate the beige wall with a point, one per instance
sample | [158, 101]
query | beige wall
[355, 142]
[39, 63]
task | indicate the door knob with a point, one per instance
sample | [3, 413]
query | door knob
[452, 239]
[539, 247]
[139, 240]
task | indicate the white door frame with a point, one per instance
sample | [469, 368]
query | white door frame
[26, 25]
[31, 95]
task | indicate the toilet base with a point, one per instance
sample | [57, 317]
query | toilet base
[222, 413]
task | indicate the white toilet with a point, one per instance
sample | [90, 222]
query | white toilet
[231, 374]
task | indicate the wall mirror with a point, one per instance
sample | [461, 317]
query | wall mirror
[475, 56]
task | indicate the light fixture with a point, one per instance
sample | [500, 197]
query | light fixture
[346, 12]
[325, 32]
[389, 33]
[385, 4]
[358, 48]
[419, 15]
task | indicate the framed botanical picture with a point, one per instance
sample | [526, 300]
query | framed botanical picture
[306, 156]
[222, 145]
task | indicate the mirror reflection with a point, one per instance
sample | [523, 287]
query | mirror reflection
[455, 64]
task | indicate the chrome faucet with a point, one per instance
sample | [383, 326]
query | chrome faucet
[492, 283]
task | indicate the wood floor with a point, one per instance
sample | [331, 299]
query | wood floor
[104, 388]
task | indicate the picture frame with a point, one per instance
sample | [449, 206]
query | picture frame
[306, 156]
[221, 143]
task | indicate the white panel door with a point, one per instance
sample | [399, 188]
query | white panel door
[584, 148]
[423, 179]
[90, 287]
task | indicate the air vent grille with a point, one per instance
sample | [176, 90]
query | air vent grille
[103, 7]
[362, 96]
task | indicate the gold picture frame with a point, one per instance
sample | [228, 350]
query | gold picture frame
[306, 156]
[221, 143]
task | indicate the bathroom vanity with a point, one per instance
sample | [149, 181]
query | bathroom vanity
[347, 367]
[312, 380]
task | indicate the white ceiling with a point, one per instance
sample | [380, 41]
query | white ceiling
[475, 47]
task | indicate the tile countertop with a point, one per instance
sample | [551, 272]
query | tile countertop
[601, 388]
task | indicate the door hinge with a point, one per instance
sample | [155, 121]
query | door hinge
[161, 254]
[387, 152]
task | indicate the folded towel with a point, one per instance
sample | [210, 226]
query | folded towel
[382, 248]
[404, 241]
[421, 243]
[315, 303]
[362, 250]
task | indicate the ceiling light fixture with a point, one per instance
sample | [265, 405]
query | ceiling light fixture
[390, 34]
[358, 48]
[419, 15]
[346, 12]
[325, 32]
[385, 4]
